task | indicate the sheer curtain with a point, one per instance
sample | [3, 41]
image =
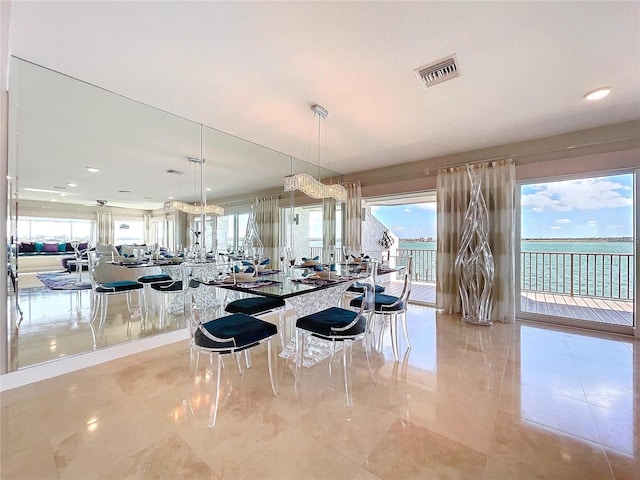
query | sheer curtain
[267, 213]
[328, 226]
[105, 227]
[498, 187]
[352, 217]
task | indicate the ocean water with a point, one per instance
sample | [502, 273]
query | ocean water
[603, 269]
[546, 246]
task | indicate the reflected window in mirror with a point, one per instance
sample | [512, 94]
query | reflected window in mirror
[230, 231]
[38, 229]
[210, 242]
[128, 231]
[307, 230]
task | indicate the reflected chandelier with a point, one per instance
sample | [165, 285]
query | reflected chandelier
[307, 183]
[196, 208]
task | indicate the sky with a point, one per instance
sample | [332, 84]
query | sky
[589, 207]
[408, 221]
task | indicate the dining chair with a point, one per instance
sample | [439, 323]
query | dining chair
[231, 334]
[389, 307]
[258, 305]
[172, 292]
[147, 281]
[356, 288]
[336, 324]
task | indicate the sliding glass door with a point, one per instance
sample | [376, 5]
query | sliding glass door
[410, 221]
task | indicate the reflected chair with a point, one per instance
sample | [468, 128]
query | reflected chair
[147, 281]
[337, 324]
[172, 292]
[102, 291]
[231, 335]
[390, 306]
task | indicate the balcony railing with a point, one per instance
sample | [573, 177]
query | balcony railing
[607, 275]
[424, 263]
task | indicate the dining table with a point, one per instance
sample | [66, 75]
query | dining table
[304, 290]
[305, 293]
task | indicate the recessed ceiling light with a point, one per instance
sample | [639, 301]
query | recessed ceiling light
[598, 93]
[93, 169]
[208, 189]
[72, 185]
[170, 198]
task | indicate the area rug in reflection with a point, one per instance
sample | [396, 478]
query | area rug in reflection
[62, 281]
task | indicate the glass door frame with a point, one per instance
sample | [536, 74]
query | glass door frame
[566, 321]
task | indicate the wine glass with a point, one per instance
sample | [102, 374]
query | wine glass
[346, 251]
[291, 256]
[332, 253]
[282, 251]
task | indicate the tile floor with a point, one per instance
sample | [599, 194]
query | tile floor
[509, 401]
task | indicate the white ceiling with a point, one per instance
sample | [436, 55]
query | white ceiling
[253, 69]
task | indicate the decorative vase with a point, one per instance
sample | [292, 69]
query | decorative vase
[474, 265]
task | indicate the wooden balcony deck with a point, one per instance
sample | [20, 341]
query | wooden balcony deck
[619, 312]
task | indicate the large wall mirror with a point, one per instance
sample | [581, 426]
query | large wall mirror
[59, 129]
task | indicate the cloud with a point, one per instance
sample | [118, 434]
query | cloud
[556, 228]
[397, 228]
[407, 210]
[563, 220]
[583, 194]
[375, 208]
[592, 223]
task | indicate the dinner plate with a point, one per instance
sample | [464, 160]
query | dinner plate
[318, 277]
[238, 280]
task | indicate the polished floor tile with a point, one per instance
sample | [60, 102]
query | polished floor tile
[510, 401]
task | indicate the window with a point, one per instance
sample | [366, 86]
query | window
[128, 231]
[35, 229]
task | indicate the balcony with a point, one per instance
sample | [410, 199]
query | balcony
[583, 286]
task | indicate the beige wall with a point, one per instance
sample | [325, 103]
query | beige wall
[603, 149]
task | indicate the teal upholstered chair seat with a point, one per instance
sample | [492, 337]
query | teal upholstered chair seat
[116, 287]
[325, 322]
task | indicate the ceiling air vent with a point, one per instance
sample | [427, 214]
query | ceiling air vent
[175, 172]
[438, 72]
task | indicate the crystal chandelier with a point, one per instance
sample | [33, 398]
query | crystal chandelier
[313, 188]
[307, 183]
[195, 208]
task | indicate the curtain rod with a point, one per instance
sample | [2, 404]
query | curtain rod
[251, 200]
[474, 162]
[514, 156]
